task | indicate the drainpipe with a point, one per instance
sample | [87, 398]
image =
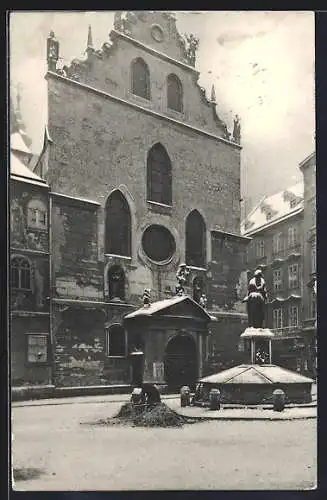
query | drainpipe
[200, 350]
[50, 289]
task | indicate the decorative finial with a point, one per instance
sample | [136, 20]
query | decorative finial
[213, 94]
[89, 45]
[18, 115]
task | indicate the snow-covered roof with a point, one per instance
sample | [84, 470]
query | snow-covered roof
[256, 374]
[257, 332]
[18, 144]
[160, 305]
[19, 171]
[274, 208]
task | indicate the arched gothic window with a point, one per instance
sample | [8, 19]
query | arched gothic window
[37, 214]
[195, 254]
[159, 175]
[117, 225]
[140, 79]
[20, 273]
[116, 341]
[116, 283]
[174, 93]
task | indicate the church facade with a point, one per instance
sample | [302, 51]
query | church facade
[143, 176]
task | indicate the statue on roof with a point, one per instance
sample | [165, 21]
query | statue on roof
[237, 130]
[256, 300]
[52, 51]
[191, 46]
[182, 277]
[146, 297]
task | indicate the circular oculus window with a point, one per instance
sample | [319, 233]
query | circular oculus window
[157, 33]
[158, 243]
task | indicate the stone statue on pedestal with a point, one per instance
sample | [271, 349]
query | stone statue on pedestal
[256, 300]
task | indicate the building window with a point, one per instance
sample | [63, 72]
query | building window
[37, 214]
[159, 176]
[293, 276]
[293, 316]
[37, 348]
[277, 242]
[116, 341]
[313, 305]
[278, 279]
[116, 283]
[158, 243]
[260, 248]
[313, 258]
[278, 318]
[292, 236]
[118, 225]
[174, 93]
[20, 273]
[195, 253]
[293, 203]
[140, 79]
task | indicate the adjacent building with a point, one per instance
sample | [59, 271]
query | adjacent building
[30, 340]
[276, 226]
[308, 169]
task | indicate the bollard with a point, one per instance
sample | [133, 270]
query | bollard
[214, 398]
[185, 396]
[278, 400]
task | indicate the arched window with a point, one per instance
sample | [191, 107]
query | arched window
[116, 341]
[116, 283]
[159, 175]
[20, 273]
[195, 254]
[37, 214]
[118, 225]
[174, 93]
[140, 79]
[198, 288]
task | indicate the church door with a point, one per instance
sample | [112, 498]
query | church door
[181, 362]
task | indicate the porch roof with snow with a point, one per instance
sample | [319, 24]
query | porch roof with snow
[175, 307]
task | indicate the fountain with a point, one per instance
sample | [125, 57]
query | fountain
[255, 381]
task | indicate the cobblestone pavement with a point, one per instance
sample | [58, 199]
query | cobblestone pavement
[52, 451]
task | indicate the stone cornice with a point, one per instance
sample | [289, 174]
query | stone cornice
[150, 50]
[130, 104]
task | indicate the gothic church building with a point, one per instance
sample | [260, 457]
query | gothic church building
[143, 175]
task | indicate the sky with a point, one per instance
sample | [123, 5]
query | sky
[261, 63]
